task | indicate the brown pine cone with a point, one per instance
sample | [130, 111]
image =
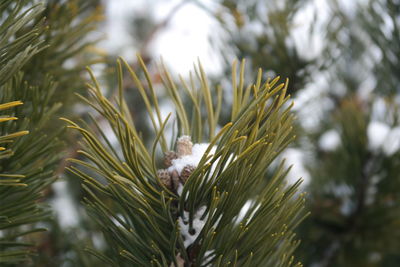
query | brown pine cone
[168, 157]
[186, 172]
[184, 146]
[165, 178]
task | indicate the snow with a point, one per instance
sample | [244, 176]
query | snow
[64, 206]
[392, 142]
[198, 151]
[189, 156]
[198, 225]
[379, 109]
[118, 13]
[309, 45]
[330, 140]
[377, 133]
[179, 189]
[187, 38]
[181, 42]
[381, 136]
[294, 157]
[207, 255]
[243, 212]
[193, 159]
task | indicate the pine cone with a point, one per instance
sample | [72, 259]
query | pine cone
[165, 178]
[168, 157]
[186, 172]
[184, 146]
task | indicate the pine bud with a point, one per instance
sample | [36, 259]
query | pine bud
[186, 172]
[165, 178]
[184, 146]
[169, 157]
[175, 179]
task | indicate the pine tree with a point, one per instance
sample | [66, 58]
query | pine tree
[353, 183]
[199, 187]
[21, 164]
[33, 51]
[263, 34]
[188, 209]
[354, 199]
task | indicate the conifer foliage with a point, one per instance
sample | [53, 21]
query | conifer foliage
[21, 165]
[30, 145]
[209, 203]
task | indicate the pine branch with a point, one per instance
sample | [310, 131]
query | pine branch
[192, 214]
[31, 71]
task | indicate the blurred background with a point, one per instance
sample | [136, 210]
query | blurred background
[342, 59]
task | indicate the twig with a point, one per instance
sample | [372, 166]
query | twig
[354, 219]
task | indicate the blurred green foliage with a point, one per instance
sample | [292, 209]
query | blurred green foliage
[352, 190]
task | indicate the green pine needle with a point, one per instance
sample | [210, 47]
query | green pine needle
[142, 227]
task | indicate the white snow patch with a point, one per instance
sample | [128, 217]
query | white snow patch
[377, 133]
[198, 151]
[330, 140]
[191, 27]
[294, 158]
[208, 254]
[198, 225]
[392, 142]
[379, 109]
[243, 212]
[117, 222]
[64, 206]
[179, 189]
